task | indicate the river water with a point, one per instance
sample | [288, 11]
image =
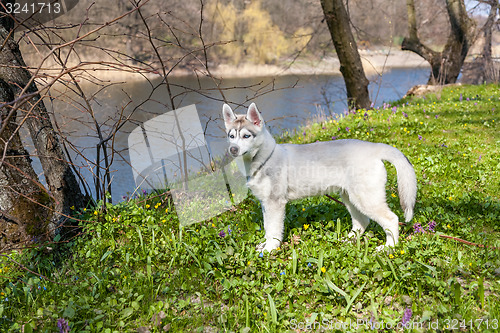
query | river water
[286, 102]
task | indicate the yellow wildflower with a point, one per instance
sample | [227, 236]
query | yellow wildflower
[306, 226]
[323, 269]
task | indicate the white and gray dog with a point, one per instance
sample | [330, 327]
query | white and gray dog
[279, 173]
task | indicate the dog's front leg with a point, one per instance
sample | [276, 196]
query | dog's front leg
[274, 215]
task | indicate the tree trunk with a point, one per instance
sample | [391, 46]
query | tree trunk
[491, 72]
[53, 204]
[21, 216]
[350, 62]
[445, 65]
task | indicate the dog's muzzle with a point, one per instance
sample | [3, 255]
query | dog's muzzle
[234, 151]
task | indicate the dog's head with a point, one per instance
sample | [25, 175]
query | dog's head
[242, 130]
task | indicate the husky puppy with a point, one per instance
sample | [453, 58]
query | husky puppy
[277, 174]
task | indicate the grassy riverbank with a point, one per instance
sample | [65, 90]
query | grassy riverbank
[134, 268]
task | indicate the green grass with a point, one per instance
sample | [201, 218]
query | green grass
[135, 268]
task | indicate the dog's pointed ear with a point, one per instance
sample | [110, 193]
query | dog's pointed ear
[254, 116]
[228, 114]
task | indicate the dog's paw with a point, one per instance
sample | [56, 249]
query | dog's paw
[351, 237]
[384, 248]
[260, 247]
[268, 245]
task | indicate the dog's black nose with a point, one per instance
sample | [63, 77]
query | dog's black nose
[233, 150]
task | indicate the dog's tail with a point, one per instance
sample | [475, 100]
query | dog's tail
[407, 181]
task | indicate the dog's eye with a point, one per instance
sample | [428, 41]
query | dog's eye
[246, 136]
[231, 136]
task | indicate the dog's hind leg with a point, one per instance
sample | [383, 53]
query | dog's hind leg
[390, 223]
[374, 206]
[274, 216]
[359, 221]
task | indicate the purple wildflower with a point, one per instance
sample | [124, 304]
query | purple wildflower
[229, 231]
[406, 316]
[304, 133]
[144, 192]
[417, 227]
[419, 137]
[334, 138]
[468, 99]
[405, 115]
[436, 116]
[431, 226]
[461, 98]
[222, 234]
[347, 129]
[62, 325]
[394, 109]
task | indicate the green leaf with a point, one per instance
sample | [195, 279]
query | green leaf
[332, 286]
[272, 309]
[69, 312]
[294, 262]
[105, 255]
[127, 312]
[320, 261]
[148, 265]
[392, 269]
[312, 319]
[28, 328]
[351, 301]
